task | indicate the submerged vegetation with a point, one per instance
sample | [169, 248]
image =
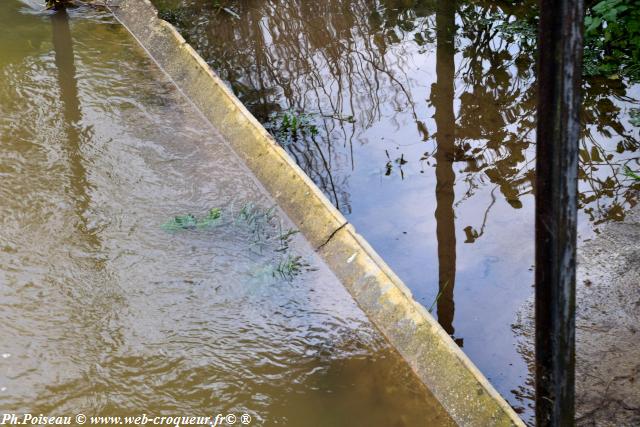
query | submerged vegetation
[190, 222]
[266, 235]
[631, 174]
[288, 127]
[290, 266]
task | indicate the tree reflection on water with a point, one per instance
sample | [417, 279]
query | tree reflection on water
[408, 94]
[338, 60]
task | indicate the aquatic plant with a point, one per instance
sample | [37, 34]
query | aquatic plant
[181, 222]
[286, 268]
[284, 239]
[258, 220]
[631, 174]
[400, 161]
[255, 215]
[289, 126]
[290, 267]
[213, 218]
[265, 234]
[190, 222]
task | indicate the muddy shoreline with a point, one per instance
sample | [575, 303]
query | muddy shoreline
[607, 319]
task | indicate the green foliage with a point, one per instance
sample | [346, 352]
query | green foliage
[181, 222]
[290, 267]
[521, 30]
[284, 239]
[264, 233]
[287, 267]
[289, 126]
[256, 217]
[175, 16]
[634, 117]
[631, 174]
[213, 218]
[612, 39]
[190, 222]
[259, 222]
[253, 214]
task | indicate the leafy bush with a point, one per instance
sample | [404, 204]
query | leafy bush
[612, 39]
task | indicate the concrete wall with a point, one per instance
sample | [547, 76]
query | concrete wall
[439, 363]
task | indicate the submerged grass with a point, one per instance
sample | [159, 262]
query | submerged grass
[284, 238]
[631, 174]
[181, 222]
[266, 234]
[255, 216]
[290, 266]
[190, 222]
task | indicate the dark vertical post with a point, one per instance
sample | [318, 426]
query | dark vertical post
[442, 97]
[559, 79]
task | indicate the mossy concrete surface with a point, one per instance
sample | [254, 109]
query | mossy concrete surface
[460, 387]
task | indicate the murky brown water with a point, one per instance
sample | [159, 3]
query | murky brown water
[104, 312]
[424, 136]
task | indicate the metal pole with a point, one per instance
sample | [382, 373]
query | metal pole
[559, 78]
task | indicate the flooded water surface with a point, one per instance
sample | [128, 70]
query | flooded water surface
[417, 119]
[114, 301]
